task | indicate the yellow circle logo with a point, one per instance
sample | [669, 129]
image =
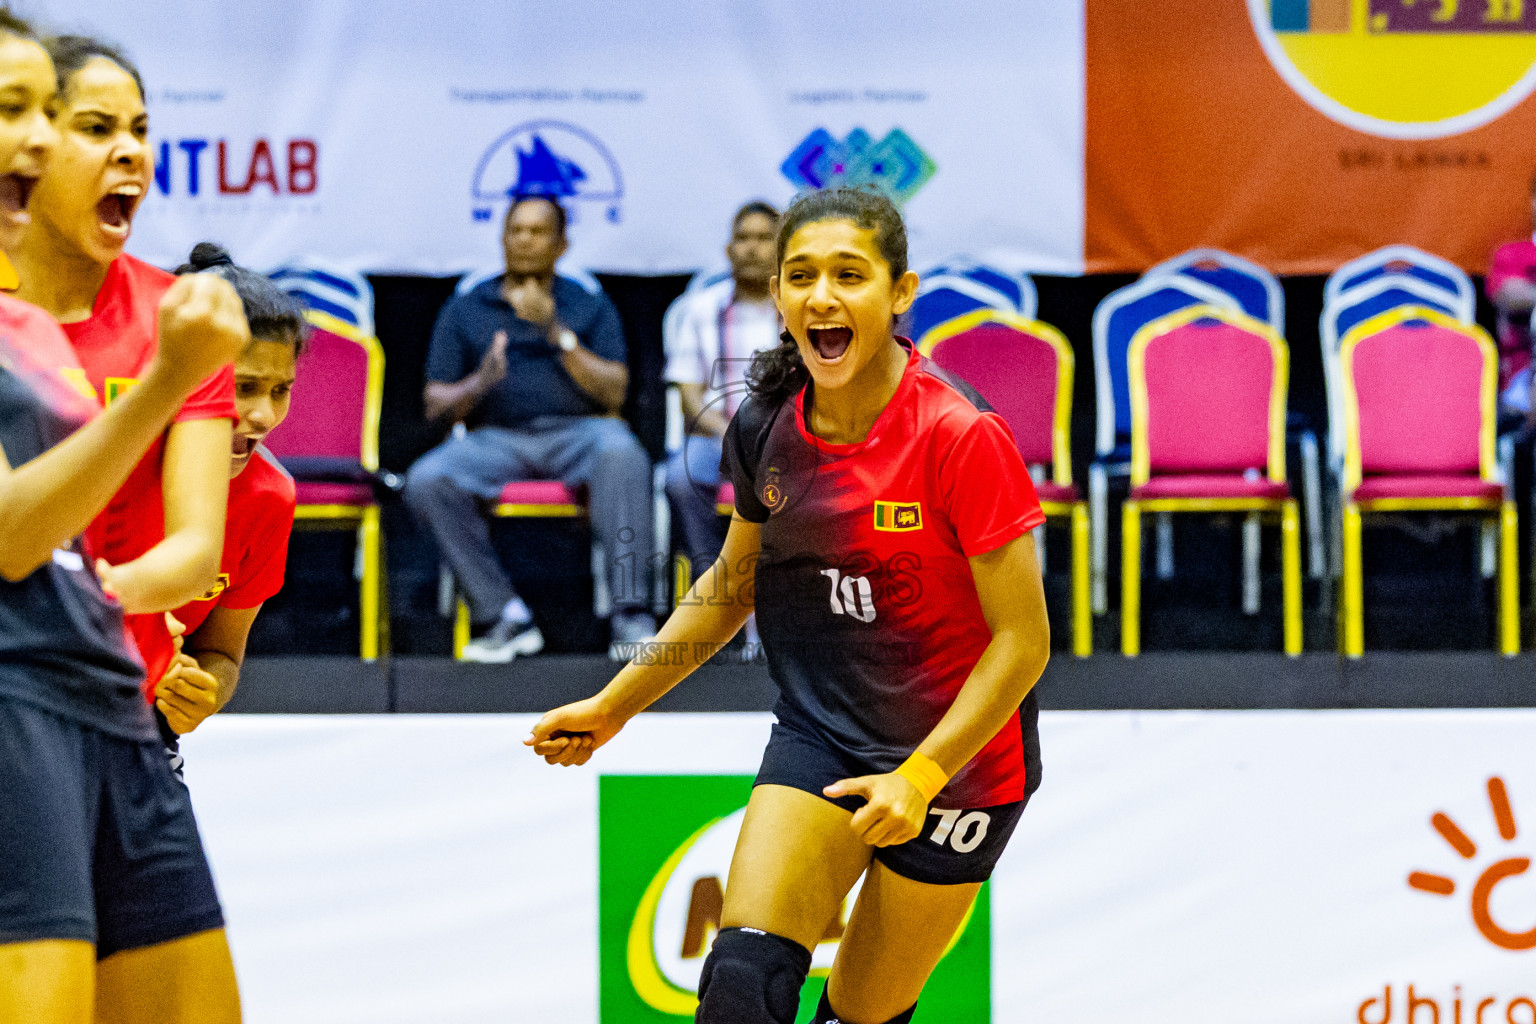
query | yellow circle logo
[1403, 69]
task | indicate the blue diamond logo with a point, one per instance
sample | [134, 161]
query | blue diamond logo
[895, 164]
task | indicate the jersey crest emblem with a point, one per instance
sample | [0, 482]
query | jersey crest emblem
[898, 516]
[219, 586]
[773, 492]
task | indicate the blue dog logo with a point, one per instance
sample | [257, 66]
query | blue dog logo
[896, 164]
[549, 158]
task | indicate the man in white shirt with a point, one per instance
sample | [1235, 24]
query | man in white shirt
[710, 336]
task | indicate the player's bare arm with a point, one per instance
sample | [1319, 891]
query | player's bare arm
[711, 613]
[195, 482]
[54, 497]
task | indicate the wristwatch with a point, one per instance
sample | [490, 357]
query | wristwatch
[566, 340]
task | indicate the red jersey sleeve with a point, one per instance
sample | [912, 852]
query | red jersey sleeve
[987, 492]
[261, 571]
[214, 399]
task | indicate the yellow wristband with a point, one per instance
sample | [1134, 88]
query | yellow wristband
[922, 772]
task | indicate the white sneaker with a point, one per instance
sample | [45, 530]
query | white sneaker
[505, 641]
[631, 632]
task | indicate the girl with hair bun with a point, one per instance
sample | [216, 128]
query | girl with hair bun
[204, 673]
[881, 532]
[158, 543]
[107, 906]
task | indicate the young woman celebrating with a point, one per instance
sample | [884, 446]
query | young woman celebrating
[881, 530]
[160, 538]
[107, 907]
[203, 675]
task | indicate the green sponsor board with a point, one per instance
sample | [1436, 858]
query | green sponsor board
[664, 850]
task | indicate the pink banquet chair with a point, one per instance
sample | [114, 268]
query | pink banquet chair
[1023, 368]
[1419, 394]
[330, 443]
[1208, 393]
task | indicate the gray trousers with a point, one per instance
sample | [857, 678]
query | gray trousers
[448, 488]
[693, 479]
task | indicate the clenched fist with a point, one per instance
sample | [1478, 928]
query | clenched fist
[570, 735]
[202, 328]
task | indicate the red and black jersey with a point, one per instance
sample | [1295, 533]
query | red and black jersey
[256, 531]
[115, 346]
[865, 601]
[62, 645]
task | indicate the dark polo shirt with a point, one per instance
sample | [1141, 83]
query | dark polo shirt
[536, 383]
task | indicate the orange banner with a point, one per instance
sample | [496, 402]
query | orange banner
[1303, 133]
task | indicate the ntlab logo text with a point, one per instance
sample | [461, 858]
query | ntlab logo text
[547, 158]
[896, 164]
[664, 857]
[195, 167]
[1405, 69]
[1489, 877]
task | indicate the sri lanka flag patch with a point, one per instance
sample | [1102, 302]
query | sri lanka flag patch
[898, 516]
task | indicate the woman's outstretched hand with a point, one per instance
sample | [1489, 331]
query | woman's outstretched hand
[570, 735]
[894, 810]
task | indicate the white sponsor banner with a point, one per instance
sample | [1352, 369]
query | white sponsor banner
[386, 136]
[1175, 867]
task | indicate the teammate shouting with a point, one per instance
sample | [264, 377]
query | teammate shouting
[203, 676]
[107, 907]
[163, 532]
[881, 528]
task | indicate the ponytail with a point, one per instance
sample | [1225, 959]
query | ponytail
[778, 372]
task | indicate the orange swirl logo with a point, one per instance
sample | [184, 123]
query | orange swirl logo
[1491, 877]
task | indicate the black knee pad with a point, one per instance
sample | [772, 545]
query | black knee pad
[825, 1015]
[752, 977]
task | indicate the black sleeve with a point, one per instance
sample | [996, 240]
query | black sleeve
[741, 451]
[605, 337]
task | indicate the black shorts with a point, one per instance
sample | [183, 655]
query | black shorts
[172, 741]
[956, 845]
[97, 838]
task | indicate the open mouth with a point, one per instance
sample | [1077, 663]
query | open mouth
[241, 447]
[115, 210]
[15, 191]
[830, 342]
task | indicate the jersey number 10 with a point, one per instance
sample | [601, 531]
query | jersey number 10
[858, 600]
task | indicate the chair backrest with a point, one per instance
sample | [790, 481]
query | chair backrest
[961, 285]
[341, 294]
[1351, 308]
[1379, 294]
[1404, 261]
[337, 397]
[1256, 290]
[1115, 323]
[1023, 368]
[1420, 390]
[1208, 391]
